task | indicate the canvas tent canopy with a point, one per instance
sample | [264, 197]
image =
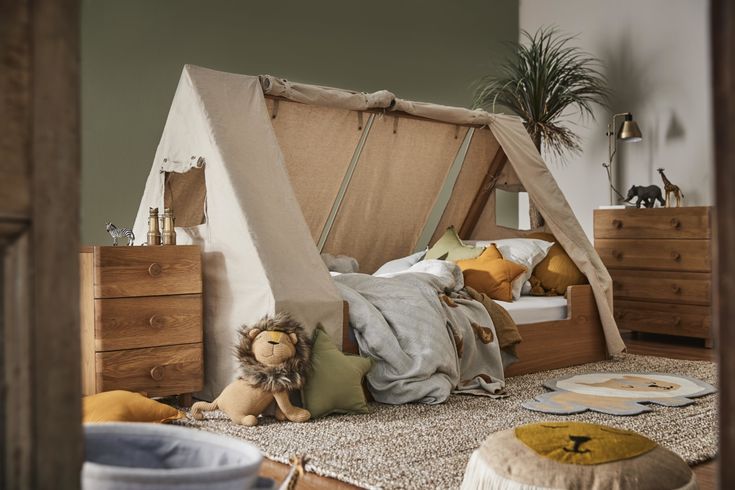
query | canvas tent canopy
[264, 174]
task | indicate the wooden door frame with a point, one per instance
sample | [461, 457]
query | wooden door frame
[39, 240]
[722, 21]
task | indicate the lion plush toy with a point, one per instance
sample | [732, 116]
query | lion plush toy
[274, 356]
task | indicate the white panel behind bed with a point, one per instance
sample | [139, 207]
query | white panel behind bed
[534, 309]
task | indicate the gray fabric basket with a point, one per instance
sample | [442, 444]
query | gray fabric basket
[136, 456]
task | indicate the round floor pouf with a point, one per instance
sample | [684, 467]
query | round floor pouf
[574, 455]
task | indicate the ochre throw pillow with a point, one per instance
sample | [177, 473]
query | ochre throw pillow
[334, 382]
[491, 274]
[557, 271]
[125, 406]
[450, 247]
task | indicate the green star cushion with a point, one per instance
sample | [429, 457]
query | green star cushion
[450, 247]
[334, 383]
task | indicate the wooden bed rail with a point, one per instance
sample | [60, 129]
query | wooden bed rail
[556, 344]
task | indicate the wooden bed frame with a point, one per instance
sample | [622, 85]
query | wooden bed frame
[578, 339]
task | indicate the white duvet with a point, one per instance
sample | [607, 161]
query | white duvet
[413, 336]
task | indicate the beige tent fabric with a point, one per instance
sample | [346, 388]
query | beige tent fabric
[326, 96]
[395, 185]
[481, 151]
[317, 143]
[259, 256]
[443, 113]
[559, 217]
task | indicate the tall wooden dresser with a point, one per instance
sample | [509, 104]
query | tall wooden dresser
[141, 315]
[660, 260]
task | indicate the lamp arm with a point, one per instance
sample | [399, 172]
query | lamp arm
[612, 148]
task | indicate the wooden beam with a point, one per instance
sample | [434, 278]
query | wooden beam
[722, 24]
[55, 162]
[40, 421]
[483, 194]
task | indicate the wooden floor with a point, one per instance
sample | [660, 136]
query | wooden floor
[645, 344]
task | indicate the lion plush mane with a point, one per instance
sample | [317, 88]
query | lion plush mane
[284, 377]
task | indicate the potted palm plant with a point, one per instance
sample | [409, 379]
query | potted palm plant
[545, 82]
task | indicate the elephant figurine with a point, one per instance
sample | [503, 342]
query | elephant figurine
[647, 195]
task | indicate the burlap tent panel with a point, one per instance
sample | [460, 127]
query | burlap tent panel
[185, 193]
[480, 153]
[398, 177]
[317, 144]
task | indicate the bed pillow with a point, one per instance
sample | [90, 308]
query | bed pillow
[340, 263]
[400, 265]
[334, 382]
[450, 247]
[557, 271]
[491, 274]
[125, 406]
[528, 252]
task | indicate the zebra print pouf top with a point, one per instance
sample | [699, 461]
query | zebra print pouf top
[429, 446]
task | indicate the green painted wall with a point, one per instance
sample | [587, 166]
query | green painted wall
[133, 52]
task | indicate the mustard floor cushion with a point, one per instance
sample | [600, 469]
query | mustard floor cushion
[574, 455]
[125, 406]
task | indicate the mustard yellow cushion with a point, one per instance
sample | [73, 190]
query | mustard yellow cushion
[450, 247]
[491, 274]
[557, 271]
[125, 406]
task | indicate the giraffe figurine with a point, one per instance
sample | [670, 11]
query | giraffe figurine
[670, 189]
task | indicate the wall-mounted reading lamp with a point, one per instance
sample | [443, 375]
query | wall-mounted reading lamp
[629, 132]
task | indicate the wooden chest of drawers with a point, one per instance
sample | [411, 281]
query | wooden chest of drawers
[660, 260]
[141, 315]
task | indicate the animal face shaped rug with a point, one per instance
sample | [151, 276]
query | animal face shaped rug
[617, 393]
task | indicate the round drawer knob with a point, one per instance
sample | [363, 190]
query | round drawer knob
[676, 256]
[676, 289]
[677, 321]
[616, 223]
[157, 373]
[675, 223]
[617, 254]
[155, 321]
[154, 270]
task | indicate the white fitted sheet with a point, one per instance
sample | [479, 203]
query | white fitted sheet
[534, 309]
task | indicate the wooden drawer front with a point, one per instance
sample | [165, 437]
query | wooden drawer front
[669, 255]
[685, 320]
[147, 271]
[670, 287]
[692, 222]
[129, 323]
[157, 371]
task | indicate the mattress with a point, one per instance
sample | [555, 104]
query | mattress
[534, 309]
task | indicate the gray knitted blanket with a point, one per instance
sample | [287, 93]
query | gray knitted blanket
[423, 347]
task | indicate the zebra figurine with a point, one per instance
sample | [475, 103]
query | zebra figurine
[116, 233]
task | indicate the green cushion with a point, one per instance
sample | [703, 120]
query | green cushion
[450, 247]
[334, 383]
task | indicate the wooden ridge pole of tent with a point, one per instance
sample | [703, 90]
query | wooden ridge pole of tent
[483, 194]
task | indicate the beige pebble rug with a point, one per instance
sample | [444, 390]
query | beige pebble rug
[428, 446]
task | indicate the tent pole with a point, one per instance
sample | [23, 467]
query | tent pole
[483, 194]
[345, 183]
[445, 194]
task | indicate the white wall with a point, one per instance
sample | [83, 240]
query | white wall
[656, 57]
